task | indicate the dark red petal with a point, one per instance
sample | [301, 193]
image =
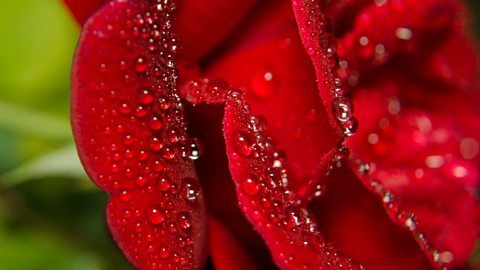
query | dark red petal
[343, 13]
[131, 135]
[446, 65]
[82, 9]
[267, 58]
[395, 29]
[427, 159]
[289, 230]
[352, 217]
[202, 24]
[226, 252]
[320, 44]
[205, 123]
[261, 181]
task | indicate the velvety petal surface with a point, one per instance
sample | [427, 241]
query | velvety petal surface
[226, 252]
[289, 230]
[131, 134]
[266, 58]
[427, 159]
[82, 10]
[352, 217]
[201, 24]
[386, 30]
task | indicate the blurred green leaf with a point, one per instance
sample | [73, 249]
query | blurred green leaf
[37, 42]
[33, 123]
[32, 249]
[61, 163]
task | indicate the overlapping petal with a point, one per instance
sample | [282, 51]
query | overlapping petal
[131, 135]
[129, 123]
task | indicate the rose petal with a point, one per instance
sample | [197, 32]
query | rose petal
[344, 12]
[351, 216]
[205, 123]
[261, 183]
[226, 252]
[267, 58]
[428, 160]
[201, 24]
[320, 44]
[446, 65]
[82, 9]
[289, 230]
[395, 29]
[131, 135]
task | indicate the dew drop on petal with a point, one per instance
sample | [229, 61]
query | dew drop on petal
[264, 85]
[164, 253]
[140, 65]
[342, 109]
[163, 183]
[125, 196]
[350, 126]
[155, 123]
[154, 215]
[190, 189]
[250, 185]
[184, 220]
[243, 144]
[145, 97]
[195, 149]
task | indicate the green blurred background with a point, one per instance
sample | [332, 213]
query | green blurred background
[51, 215]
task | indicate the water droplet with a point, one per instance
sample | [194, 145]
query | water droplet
[125, 196]
[140, 65]
[145, 97]
[190, 189]
[141, 181]
[243, 144]
[158, 166]
[154, 215]
[164, 253]
[155, 123]
[156, 144]
[128, 139]
[124, 109]
[163, 183]
[250, 185]
[342, 109]
[123, 65]
[364, 168]
[140, 111]
[195, 148]
[264, 85]
[295, 216]
[350, 126]
[184, 220]
[169, 152]
[164, 104]
[387, 197]
[410, 223]
[103, 68]
[258, 123]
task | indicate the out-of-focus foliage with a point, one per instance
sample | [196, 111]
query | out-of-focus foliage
[51, 216]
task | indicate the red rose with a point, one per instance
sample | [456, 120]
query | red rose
[154, 80]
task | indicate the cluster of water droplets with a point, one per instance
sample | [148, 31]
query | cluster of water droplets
[321, 46]
[404, 218]
[145, 153]
[261, 177]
